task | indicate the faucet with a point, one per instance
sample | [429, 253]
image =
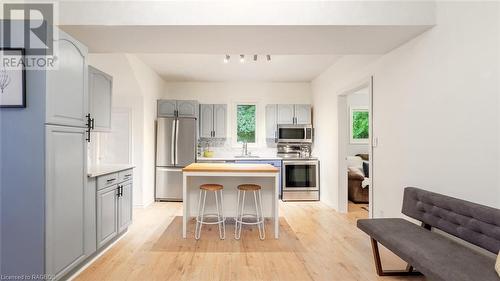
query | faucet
[244, 149]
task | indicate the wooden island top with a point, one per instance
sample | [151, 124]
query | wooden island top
[230, 168]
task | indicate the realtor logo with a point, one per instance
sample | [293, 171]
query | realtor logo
[37, 28]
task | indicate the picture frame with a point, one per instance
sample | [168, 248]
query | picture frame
[12, 79]
[355, 137]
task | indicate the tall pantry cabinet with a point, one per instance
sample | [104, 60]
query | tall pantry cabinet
[67, 208]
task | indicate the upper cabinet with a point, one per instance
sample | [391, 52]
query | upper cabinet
[294, 114]
[67, 94]
[167, 108]
[220, 120]
[100, 91]
[180, 108]
[271, 121]
[187, 108]
[286, 114]
[206, 120]
[213, 120]
[302, 113]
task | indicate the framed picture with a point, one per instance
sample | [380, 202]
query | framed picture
[12, 78]
[359, 129]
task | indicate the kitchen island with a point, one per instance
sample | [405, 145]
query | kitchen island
[230, 175]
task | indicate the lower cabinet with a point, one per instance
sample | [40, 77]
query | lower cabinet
[107, 214]
[125, 206]
[114, 211]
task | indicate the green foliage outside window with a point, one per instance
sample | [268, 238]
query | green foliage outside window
[360, 125]
[246, 123]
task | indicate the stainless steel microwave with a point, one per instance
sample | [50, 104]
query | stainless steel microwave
[295, 133]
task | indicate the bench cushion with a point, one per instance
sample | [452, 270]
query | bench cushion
[436, 256]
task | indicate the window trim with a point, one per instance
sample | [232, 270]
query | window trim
[353, 109]
[234, 126]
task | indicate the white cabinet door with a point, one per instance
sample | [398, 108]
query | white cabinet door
[271, 121]
[285, 113]
[303, 114]
[167, 108]
[125, 206]
[206, 120]
[107, 214]
[100, 92]
[220, 120]
[67, 94]
[65, 214]
[187, 108]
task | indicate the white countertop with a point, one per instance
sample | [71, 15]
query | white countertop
[225, 158]
[99, 170]
[264, 158]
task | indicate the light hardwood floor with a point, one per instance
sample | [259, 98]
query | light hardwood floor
[316, 243]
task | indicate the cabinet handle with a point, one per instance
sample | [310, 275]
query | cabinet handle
[90, 126]
[110, 180]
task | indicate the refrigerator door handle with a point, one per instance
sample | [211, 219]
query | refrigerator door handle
[176, 141]
[172, 145]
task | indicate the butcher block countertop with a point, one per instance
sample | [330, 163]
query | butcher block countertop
[230, 168]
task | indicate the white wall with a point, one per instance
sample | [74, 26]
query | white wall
[232, 92]
[436, 111]
[135, 87]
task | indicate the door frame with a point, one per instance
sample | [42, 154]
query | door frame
[342, 151]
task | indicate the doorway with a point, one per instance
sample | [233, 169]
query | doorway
[355, 120]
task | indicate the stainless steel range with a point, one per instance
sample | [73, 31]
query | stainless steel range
[300, 172]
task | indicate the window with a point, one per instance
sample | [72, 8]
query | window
[245, 123]
[359, 125]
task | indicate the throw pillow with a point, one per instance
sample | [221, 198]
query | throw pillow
[497, 265]
[366, 168]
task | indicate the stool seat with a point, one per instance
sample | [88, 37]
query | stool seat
[211, 187]
[249, 187]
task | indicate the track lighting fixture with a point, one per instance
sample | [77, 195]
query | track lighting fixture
[255, 58]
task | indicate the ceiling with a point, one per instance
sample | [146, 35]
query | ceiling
[187, 40]
[195, 53]
[283, 40]
[197, 67]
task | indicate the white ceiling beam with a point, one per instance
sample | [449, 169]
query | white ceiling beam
[158, 13]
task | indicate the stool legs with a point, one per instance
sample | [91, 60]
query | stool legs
[239, 216]
[199, 217]
[220, 216]
[201, 214]
[259, 215]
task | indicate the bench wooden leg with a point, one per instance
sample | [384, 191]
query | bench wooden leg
[381, 272]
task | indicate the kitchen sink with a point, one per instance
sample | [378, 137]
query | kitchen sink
[247, 156]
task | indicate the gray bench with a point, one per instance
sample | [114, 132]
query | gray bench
[434, 255]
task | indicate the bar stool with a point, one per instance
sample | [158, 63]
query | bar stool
[259, 217]
[221, 220]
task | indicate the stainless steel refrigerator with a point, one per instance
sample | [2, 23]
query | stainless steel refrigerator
[175, 149]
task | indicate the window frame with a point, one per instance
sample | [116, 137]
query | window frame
[353, 109]
[234, 130]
